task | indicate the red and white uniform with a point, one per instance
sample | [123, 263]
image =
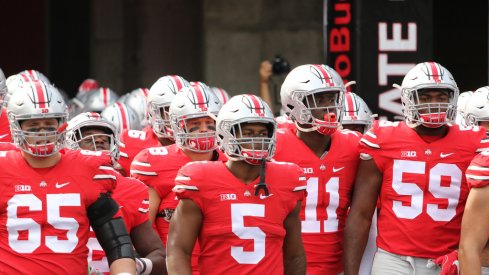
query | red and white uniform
[5, 133]
[43, 223]
[241, 233]
[133, 199]
[478, 171]
[330, 182]
[157, 167]
[133, 142]
[424, 189]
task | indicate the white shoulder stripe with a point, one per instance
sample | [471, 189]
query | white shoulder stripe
[143, 210]
[478, 168]
[370, 144]
[370, 134]
[182, 178]
[186, 187]
[145, 164]
[123, 155]
[300, 188]
[486, 140]
[108, 168]
[103, 177]
[145, 173]
[482, 149]
[302, 178]
[474, 177]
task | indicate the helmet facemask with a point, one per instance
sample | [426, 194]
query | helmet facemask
[160, 120]
[36, 142]
[420, 111]
[105, 142]
[320, 109]
[188, 136]
[252, 148]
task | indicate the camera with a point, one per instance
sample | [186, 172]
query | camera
[280, 65]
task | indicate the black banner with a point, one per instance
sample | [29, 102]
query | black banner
[375, 43]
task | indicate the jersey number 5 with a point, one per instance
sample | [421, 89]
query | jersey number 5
[238, 212]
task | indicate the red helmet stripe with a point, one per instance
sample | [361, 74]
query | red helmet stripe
[178, 82]
[223, 95]
[326, 75]
[144, 91]
[25, 77]
[105, 96]
[350, 104]
[200, 96]
[40, 92]
[123, 115]
[258, 107]
[435, 72]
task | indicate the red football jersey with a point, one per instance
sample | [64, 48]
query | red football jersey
[133, 199]
[133, 142]
[241, 233]
[478, 171]
[424, 189]
[44, 225]
[330, 182]
[5, 134]
[157, 167]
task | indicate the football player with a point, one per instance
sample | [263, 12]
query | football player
[49, 199]
[313, 96]
[417, 169]
[158, 132]
[245, 212]
[5, 135]
[475, 223]
[191, 114]
[356, 115]
[90, 131]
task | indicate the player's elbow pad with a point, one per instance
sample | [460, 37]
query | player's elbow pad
[111, 232]
[114, 239]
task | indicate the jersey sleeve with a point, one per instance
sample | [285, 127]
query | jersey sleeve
[187, 184]
[140, 202]
[483, 144]
[105, 176]
[141, 169]
[478, 171]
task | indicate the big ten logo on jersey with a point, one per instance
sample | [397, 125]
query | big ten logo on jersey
[22, 188]
[308, 170]
[408, 154]
[228, 197]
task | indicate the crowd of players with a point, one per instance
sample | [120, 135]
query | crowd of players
[181, 179]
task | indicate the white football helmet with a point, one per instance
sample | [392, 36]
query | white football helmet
[428, 76]
[13, 83]
[92, 120]
[356, 111]
[160, 96]
[221, 94]
[122, 116]
[98, 100]
[3, 86]
[299, 97]
[463, 98]
[86, 86]
[193, 102]
[36, 100]
[237, 111]
[137, 100]
[477, 107]
[36, 75]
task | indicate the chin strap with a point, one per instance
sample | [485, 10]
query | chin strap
[262, 184]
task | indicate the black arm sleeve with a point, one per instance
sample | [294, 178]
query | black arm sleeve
[111, 232]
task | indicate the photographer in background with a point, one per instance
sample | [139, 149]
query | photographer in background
[278, 67]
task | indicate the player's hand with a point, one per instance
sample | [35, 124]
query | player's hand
[448, 263]
[265, 71]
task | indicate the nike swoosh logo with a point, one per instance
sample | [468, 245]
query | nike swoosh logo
[2, 136]
[62, 185]
[445, 155]
[337, 169]
[264, 197]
